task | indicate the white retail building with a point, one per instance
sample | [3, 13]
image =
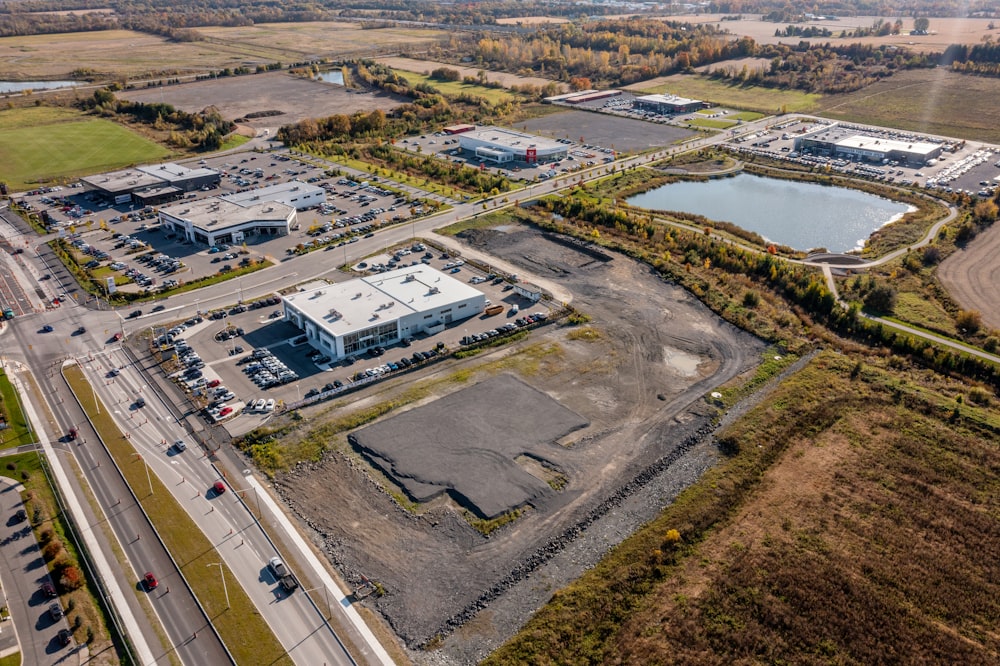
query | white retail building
[214, 221]
[294, 193]
[348, 318]
[503, 145]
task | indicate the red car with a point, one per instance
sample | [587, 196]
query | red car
[214, 383]
[219, 487]
[118, 336]
[149, 580]
[225, 411]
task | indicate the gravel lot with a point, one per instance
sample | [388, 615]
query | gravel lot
[638, 380]
[466, 444]
[295, 98]
[605, 130]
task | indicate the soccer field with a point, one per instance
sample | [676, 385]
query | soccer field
[42, 144]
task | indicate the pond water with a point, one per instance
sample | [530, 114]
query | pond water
[333, 76]
[800, 215]
[21, 86]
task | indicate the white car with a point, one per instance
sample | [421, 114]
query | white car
[269, 405]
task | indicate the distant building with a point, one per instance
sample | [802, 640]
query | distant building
[159, 182]
[846, 143]
[351, 317]
[294, 193]
[503, 145]
[458, 129]
[214, 221]
[581, 97]
[667, 104]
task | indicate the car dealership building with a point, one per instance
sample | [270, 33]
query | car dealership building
[348, 318]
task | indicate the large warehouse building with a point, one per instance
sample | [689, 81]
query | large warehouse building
[348, 318]
[849, 144]
[297, 194]
[161, 182]
[503, 145]
[667, 104]
[213, 221]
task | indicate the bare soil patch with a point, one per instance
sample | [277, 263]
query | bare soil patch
[427, 66]
[637, 379]
[295, 97]
[972, 275]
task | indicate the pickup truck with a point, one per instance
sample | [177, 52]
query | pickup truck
[285, 578]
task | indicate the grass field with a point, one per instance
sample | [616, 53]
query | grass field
[455, 88]
[17, 432]
[712, 123]
[186, 543]
[47, 144]
[935, 101]
[751, 98]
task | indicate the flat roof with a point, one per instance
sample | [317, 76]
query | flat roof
[158, 190]
[885, 145]
[214, 213]
[126, 179]
[170, 171]
[273, 192]
[512, 139]
[667, 99]
[366, 301]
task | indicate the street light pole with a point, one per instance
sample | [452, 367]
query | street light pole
[222, 575]
[326, 598]
[148, 478]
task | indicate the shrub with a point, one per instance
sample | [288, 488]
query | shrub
[969, 320]
[52, 550]
[881, 298]
[70, 578]
[751, 299]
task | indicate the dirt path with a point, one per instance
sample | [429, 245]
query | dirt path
[972, 275]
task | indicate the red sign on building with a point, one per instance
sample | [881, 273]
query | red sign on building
[531, 155]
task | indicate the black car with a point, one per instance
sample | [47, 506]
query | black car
[159, 308]
[311, 392]
[329, 387]
[80, 331]
[135, 313]
[65, 637]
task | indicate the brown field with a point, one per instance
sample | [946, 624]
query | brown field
[321, 39]
[972, 276]
[943, 31]
[117, 53]
[123, 53]
[422, 66]
[296, 97]
[860, 544]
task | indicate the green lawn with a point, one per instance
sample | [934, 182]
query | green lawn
[17, 432]
[751, 98]
[42, 144]
[712, 123]
[455, 88]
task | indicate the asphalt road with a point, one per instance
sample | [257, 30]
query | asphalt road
[224, 519]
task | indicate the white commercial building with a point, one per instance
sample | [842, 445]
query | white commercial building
[504, 145]
[348, 318]
[297, 194]
[214, 221]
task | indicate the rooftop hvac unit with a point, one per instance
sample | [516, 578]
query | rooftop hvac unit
[356, 296]
[434, 290]
[390, 304]
[334, 313]
[375, 315]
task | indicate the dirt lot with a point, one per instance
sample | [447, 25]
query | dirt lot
[621, 134]
[426, 66]
[972, 276]
[636, 374]
[295, 97]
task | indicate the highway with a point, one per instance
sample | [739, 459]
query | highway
[225, 520]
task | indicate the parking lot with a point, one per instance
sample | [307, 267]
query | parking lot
[110, 239]
[247, 358]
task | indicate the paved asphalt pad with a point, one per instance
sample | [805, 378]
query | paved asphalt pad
[466, 444]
